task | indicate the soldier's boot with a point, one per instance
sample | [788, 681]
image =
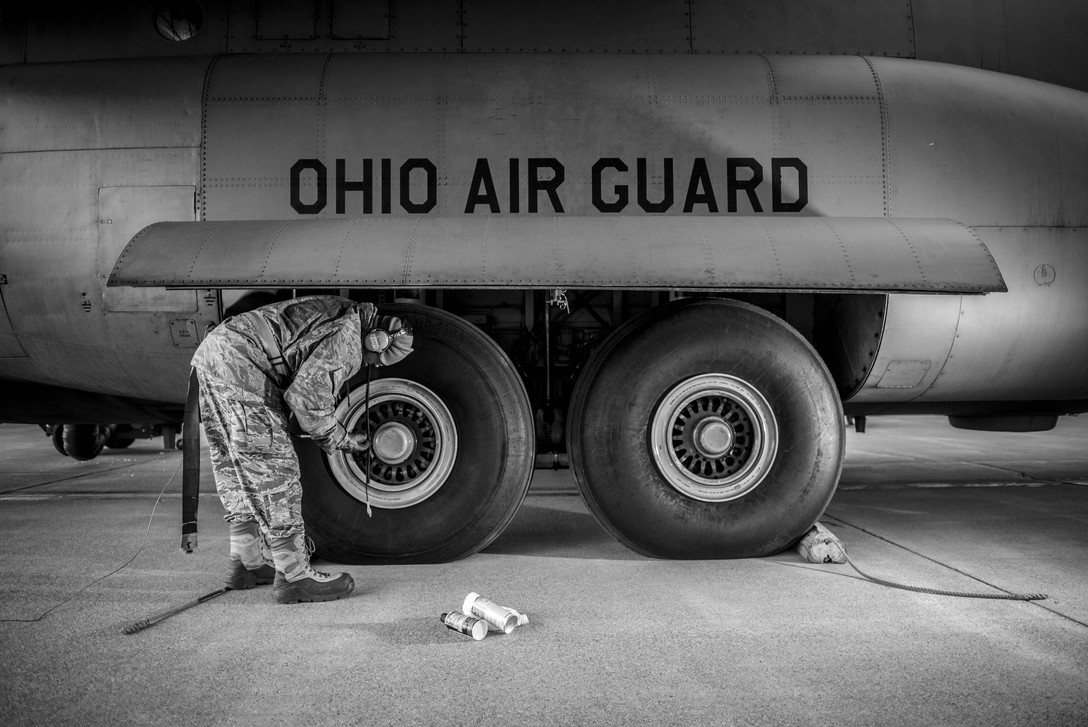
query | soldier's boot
[249, 566]
[296, 581]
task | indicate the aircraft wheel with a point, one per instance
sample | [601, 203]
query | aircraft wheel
[83, 441]
[118, 436]
[56, 435]
[706, 429]
[452, 454]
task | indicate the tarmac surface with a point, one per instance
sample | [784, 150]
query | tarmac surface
[614, 638]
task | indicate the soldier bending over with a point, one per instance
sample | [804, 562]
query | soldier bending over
[253, 368]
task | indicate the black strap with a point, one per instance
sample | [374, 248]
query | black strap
[271, 348]
[190, 458]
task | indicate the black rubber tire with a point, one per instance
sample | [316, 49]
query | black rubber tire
[496, 449]
[115, 436]
[56, 435]
[83, 441]
[626, 379]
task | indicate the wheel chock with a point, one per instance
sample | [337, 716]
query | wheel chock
[820, 545]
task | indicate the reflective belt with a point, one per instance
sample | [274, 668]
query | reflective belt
[271, 348]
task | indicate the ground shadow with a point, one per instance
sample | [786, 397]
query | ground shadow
[558, 526]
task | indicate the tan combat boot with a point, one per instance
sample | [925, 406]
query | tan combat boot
[249, 564]
[296, 581]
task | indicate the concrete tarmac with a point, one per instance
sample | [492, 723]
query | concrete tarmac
[613, 639]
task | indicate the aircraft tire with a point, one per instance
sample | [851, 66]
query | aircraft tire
[56, 435]
[461, 407]
[706, 429]
[115, 438]
[83, 441]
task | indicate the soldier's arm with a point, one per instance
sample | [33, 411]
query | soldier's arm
[312, 395]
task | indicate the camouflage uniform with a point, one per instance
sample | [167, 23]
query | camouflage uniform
[244, 402]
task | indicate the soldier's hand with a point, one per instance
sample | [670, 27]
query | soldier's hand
[356, 443]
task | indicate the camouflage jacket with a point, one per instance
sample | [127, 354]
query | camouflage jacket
[318, 338]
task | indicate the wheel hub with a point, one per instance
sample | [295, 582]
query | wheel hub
[413, 444]
[714, 437]
[394, 442]
[404, 443]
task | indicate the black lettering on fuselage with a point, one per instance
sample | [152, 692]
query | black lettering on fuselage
[749, 185]
[700, 187]
[538, 184]
[643, 182]
[431, 172]
[322, 173]
[387, 178]
[343, 186]
[620, 190]
[777, 204]
[482, 176]
[355, 188]
[483, 191]
[515, 185]
[364, 185]
[700, 178]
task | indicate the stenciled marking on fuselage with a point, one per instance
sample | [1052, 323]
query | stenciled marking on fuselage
[611, 183]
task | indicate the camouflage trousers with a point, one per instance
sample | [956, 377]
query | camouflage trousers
[255, 467]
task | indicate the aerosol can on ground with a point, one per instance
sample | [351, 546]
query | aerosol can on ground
[499, 617]
[466, 625]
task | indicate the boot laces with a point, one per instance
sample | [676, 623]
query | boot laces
[309, 548]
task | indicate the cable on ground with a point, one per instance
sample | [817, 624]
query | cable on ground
[1004, 596]
[115, 570]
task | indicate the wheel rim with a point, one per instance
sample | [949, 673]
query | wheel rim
[714, 437]
[414, 444]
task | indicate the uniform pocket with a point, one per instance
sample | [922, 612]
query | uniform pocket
[258, 428]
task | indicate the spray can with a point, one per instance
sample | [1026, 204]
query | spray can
[522, 618]
[466, 625]
[499, 617]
